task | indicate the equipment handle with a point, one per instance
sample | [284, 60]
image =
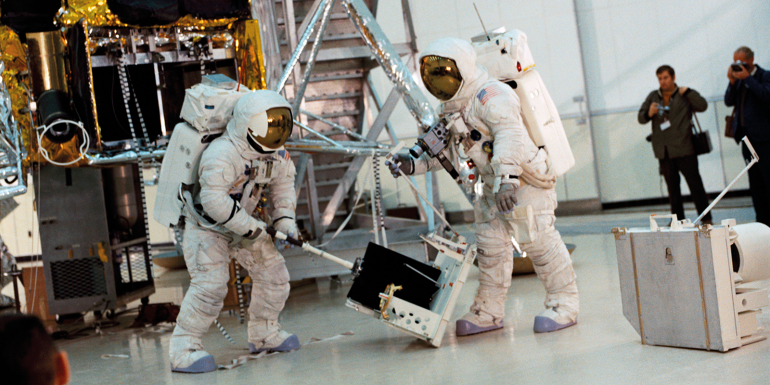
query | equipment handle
[276, 234]
[306, 246]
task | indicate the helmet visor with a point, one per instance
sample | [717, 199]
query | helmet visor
[441, 76]
[279, 127]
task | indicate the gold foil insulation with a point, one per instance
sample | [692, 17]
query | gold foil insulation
[14, 55]
[247, 43]
[248, 52]
[62, 153]
[98, 14]
[46, 62]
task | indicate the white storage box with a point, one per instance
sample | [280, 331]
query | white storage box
[678, 287]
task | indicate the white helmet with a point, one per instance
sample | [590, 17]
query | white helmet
[263, 119]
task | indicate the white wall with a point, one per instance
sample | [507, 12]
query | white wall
[624, 42]
[19, 229]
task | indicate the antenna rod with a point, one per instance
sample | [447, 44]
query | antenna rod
[482, 22]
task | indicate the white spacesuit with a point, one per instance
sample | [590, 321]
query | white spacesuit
[8, 261]
[514, 172]
[237, 172]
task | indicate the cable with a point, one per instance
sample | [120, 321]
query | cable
[112, 101]
[224, 332]
[238, 288]
[126, 89]
[377, 197]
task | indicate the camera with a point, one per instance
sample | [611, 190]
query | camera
[737, 66]
[434, 143]
[663, 110]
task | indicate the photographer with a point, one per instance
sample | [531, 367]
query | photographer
[749, 92]
[670, 109]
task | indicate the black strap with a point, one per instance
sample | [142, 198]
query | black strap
[283, 217]
[696, 126]
[743, 100]
[232, 213]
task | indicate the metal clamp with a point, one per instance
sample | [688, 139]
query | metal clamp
[390, 289]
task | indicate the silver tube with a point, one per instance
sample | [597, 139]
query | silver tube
[341, 128]
[391, 62]
[13, 191]
[5, 172]
[123, 157]
[300, 47]
[346, 144]
[318, 134]
[264, 11]
[311, 148]
[299, 89]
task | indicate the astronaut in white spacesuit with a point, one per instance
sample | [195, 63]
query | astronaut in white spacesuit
[8, 262]
[236, 171]
[514, 173]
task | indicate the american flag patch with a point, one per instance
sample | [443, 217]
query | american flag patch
[284, 154]
[486, 94]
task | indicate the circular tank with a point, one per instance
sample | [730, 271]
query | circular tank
[751, 252]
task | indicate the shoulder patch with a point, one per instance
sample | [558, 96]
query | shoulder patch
[284, 154]
[487, 93]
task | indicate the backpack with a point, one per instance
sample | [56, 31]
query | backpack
[507, 58]
[206, 111]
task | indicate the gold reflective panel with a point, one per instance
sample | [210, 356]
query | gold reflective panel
[248, 53]
[97, 14]
[279, 126]
[441, 76]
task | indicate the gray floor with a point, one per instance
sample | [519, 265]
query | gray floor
[601, 348]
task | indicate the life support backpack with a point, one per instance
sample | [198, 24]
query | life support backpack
[507, 58]
[206, 111]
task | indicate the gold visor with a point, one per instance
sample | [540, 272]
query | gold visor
[279, 126]
[441, 76]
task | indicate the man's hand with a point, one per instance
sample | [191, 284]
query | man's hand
[731, 75]
[505, 199]
[288, 227]
[405, 163]
[653, 110]
[742, 74]
[682, 90]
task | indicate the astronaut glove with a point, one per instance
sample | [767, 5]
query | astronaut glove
[254, 236]
[289, 227]
[505, 199]
[403, 162]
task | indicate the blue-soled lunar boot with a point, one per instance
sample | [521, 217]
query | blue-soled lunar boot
[550, 321]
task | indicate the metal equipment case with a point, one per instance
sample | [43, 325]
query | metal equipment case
[678, 287]
[454, 261]
[92, 234]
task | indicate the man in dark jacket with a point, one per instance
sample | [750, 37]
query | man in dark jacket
[670, 109]
[749, 92]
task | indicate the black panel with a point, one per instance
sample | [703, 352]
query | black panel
[382, 267]
[78, 278]
[80, 78]
[111, 109]
[216, 9]
[30, 15]
[145, 12]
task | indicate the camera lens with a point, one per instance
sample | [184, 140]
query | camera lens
[417, 150]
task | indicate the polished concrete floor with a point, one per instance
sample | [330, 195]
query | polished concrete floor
[601, 348]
